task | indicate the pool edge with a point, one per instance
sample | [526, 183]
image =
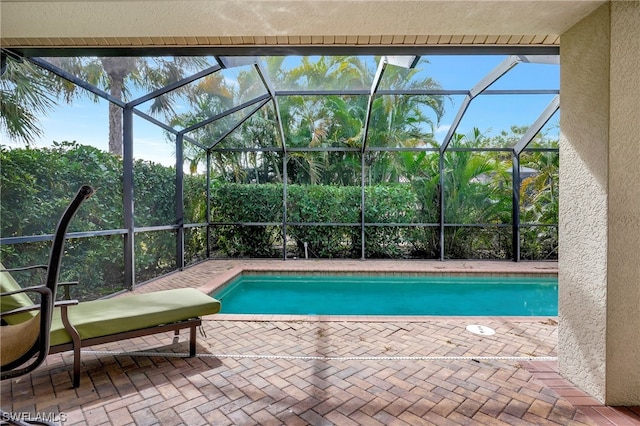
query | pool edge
[549, 319]
[221, 280]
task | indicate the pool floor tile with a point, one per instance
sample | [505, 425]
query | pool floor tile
[310, 370]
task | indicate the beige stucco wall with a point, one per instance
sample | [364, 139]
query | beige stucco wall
[623, 292]
[599, 279]
[582, 277]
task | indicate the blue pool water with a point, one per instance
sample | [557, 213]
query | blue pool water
[390, 295]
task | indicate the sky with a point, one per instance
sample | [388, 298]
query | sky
[87, 122]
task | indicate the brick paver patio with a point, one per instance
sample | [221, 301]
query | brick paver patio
[273, 370]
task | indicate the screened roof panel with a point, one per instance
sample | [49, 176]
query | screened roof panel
[220, 100]
[494, 115]
[401, 77]
[547, 77]
[323, 121]
[451, 106]
[460, 72]
[549, 135]
[142, 74]
[409, 121]
[209, 96]
[260, 130]
[211, 134]
[320, 72]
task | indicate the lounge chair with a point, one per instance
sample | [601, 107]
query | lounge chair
[75, 325]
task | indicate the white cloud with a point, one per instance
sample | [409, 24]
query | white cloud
[443, 129]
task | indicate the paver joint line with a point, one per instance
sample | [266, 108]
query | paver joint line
[326, 358]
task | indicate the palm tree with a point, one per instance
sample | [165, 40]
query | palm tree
[400, 118]
[475, 183]
[477, 190]
[117, 70]
[539, 192]
[120, 76]
[406, 121]
[26, 92]
[323, 121]
[210, 96]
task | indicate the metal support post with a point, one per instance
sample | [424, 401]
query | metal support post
[128, 198]
[516, 208]
[362, 203]
[180, 201]
[441, 203]
[208, 192]
[284, 205]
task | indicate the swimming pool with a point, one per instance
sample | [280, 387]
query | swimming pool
[390, 295]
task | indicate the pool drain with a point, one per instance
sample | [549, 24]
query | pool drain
[481, 330]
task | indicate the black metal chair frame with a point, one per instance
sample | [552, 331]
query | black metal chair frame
[38, 352]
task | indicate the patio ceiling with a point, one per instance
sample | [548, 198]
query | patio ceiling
[30, 24]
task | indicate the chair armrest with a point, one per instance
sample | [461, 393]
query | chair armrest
[37, 288]
[73, 332]
[24, 268]
[65, 303]
[66, 286]
[44, 292]
[29, 270]
[20, 310]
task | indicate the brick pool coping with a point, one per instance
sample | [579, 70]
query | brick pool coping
[396, 268]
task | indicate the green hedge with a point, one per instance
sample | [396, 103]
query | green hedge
[37, 184]
[240, 203]
[308, 205]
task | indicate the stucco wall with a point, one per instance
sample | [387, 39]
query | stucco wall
[599, 278]
[623, 293]
[584, 122]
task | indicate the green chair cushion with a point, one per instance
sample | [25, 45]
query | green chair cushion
[15, 301]
[104, 317]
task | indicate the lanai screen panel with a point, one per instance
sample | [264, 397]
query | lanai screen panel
[216, 133]
[323, 203]
[315, 73]
[401, 207]
[543, 68]
[497, 120]
[477, 200]
[154, 175]
[292, 126]
[406, 121]
[321, 121]
[539, 194]
[454, 72]
[255, 130]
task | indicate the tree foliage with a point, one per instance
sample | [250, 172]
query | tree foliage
[26, 93]
[36, 185]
